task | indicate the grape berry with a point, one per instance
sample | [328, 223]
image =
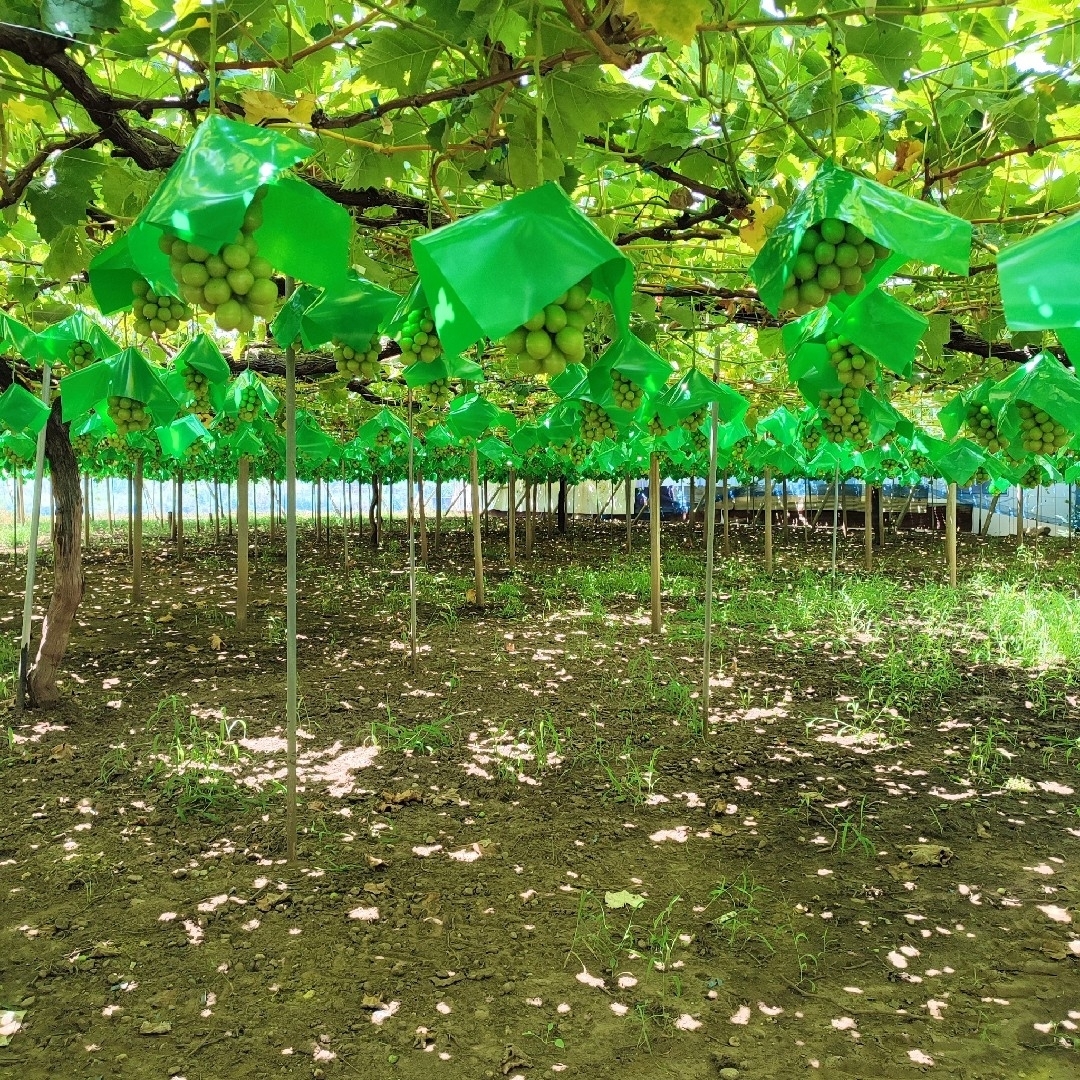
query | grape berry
[359, 363]
[80, 355]
[128, 414]
[155, 314]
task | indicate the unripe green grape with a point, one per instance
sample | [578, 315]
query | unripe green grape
[627, 394]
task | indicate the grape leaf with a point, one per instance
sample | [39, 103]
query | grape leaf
[54, 209]
[68, 254]
[400, 58]
[579, 102]
[81, 16]
[937, 334]
[676, 19]
[888, 46]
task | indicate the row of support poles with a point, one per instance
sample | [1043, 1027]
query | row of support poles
[31, 550]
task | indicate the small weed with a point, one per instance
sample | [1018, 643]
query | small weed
[628, 779]
[739, 914]
[851, 830]
[117, 761]
[986, 757]
[420, 738]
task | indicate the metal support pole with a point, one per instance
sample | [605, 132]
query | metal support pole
[950, 534]
[478, 545]
[290, 598]
[242, 471]
[710, 538]
[654, 540]
[768, 521]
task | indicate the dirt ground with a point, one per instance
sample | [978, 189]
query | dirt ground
[528, 857]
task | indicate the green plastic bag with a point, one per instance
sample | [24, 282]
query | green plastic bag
[249, 379]
[383, 421]
[1043, 382]
[488, 273]
[313, 445]
[351, 312]
[54, 343]
[634, 360]
[202, 355]
[22, 412]
[127, 374]
[877, 323]
[113, 270]
[423, 373]
[15, 337]
[782, 425]
[471, 415]
[912, 229]
[497, 452]
[958, 462]
[205, 194]
[1040, 279]
[179, 436]
[696, 391]
[561, 423]
[245, 443]
[21, 447]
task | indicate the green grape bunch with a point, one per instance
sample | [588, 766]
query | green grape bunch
[234, 284]
[82, 445]
[983, 428]
[834, 256]
[155, 314]
[80, 355]
[628, 395]
[358, 363]
[555, 336]
[1033, 478]
[692, 422]
[842, 418]
[418, 339]
[128, 414]
[384, 437]
[249, 404]
[656, 427]
[853, 367]
[1040, 433]
[596, 424]
[437, 393]
[811, 438]
[198, 385]
[573, 449]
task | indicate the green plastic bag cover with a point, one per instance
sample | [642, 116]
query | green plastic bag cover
[912, 229]
[286, 327]
[21, 446]
[879, 324]
[694, 391]
[781, 425]
[828, 457]
[202, 355]
[313, 445]
[952, 416]
[440, 437]
[179, 436]
[570, 383]
[127, 374]
[205, 194]
[820, 378]
[53, 344]
[383, 420]
[488, 273]
[242, 381]
[471, 415]
[496, 451]
[561, 423]
[15, 337]
[1045, 383]
[93, 424]
[1070, 340]
[634, 360]
[958, 462]
[245, 443]
[114, 269]
[21, 411]
[882, 417]
[351, 312]
[732, 433]
[422, 373]
[1040, 279]
[526, 438]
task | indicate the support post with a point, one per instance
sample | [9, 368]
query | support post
[628, 495]
[290, 599]
[31, 548]
[835, 518]
[411, 516]
[136, 533]
[242, 471]
[654, 540]
[710, 535]
[511, 517]
[950, 534]
[478, 546]
[868, 530]
[768, 521]
[727, 523]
